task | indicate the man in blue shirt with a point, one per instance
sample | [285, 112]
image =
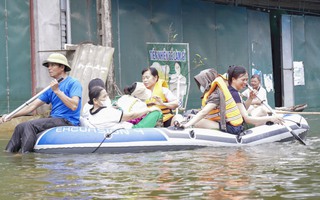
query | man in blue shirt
[65, 99]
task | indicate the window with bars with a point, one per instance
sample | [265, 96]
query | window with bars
[64, 22]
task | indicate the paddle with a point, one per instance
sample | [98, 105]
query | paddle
[271, 110]
[300, 113]
[29, 101]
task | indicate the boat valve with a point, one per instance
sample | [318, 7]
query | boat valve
[192, 134]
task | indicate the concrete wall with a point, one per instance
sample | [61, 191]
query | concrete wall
[48, 36]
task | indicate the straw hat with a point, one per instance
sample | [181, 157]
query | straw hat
[57, 58]
[141, 92]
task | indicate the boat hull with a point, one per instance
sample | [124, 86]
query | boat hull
[72, 139]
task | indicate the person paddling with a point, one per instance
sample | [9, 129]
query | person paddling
[65, 98]
[255, 99]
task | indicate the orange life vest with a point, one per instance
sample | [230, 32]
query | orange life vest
[232, 114]
[157, 91]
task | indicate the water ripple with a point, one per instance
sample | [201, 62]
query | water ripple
[270, 171]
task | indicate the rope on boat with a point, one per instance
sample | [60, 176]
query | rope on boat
[105, 137]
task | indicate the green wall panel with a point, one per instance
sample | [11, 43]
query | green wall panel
[134, 31]
[232, 36]
[259, 47]
[312, 68]
[299, 48]
[218, 36]
[3, 71]
[200, 33]
[166, 27]
[15, 53]
[83, 21]
[306, 48]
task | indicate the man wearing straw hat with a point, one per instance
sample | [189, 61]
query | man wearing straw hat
[64, 95]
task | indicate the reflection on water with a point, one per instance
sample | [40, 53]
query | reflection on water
[270, 171]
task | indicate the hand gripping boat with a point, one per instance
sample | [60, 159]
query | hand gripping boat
[73, 139]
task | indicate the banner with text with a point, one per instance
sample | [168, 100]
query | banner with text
[172, 62]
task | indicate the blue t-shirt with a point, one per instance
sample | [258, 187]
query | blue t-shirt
[70, 87]
[235, 94]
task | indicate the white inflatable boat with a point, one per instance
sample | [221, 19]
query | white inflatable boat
[72, 139]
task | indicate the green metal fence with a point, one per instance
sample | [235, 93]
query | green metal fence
[218, 36]
[15, 70]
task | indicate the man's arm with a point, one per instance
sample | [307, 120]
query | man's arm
[26, 110]
[70, 102]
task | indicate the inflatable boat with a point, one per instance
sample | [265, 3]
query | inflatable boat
[79, 140]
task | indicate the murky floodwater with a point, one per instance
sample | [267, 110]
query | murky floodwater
[270, 171]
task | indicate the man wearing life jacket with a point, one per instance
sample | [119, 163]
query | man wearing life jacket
[219, 110]
[161, 95]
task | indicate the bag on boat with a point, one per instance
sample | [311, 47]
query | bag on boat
[131, 104]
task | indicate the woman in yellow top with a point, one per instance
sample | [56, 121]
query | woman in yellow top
[161, 95]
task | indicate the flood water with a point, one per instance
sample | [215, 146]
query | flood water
[271, 171]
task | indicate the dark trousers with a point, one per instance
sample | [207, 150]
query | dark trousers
[24, 136]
